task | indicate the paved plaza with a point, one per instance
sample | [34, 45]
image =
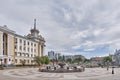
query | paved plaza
[33, 74]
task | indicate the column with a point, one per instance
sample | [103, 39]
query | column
[1, 43]
[1, 46]
[39, 53]
[43, 50]
[8, 49]
[8, 45]
[18, 45]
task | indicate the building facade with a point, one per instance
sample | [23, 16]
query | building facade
[53, 56]
[16, 49]
[116, 58]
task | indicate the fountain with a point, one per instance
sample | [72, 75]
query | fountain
[62, 68]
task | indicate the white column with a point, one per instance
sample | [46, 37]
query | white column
[33, 49]
[8, 45]
[18, 45]
[22, 45]
[40, 50]
[8, 48]
[1, 45]
[43, 50]
[30, 48]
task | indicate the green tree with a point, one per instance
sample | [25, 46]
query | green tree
[60, 59]
[42, 60]
[69, 60]
[77, 60]
[47, 60]
[107, 60]
[86, 60]
[37, 59]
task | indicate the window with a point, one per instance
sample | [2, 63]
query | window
[31, 55]
[24, 60]
[24, 42]
[34, 50]
[28, 49]
[20, 54]
[15, 40]
[24, 48]
[28, 61]
[15, 53]
[34, 45]
[20, 40]
[20, 60]
[20, 47]
[31, 44]
[31, 50]
[28, 43]
[15, 60]
[15, 46]
[28, 55]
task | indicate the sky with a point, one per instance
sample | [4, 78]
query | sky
[70, 27]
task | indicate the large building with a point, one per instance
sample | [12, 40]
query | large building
[53, 56]
[16, 49]
[116, 57]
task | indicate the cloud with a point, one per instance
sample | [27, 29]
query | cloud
[69, 26]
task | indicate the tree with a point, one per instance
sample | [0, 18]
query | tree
[60, 59]
[69, 60]
[42, 60]
[47, 60]
[77, 60]
[37, 59]
[107, 60]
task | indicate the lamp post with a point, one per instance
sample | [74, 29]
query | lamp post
[113, 61]
[1, 62]
[107, 65]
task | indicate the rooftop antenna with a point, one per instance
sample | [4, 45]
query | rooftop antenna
[34, 24]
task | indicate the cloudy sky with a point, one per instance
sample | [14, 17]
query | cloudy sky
[87, 27]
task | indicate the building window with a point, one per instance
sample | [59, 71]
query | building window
[20, 60]
[23, 54]
[24, 48]
[28, 43]
[20, 40]
[28, 61]
[24, 60]
[15, 60]
[15, 46]
[28, 49]
[34, 45]
[34, 50]
[20, 54]
[31, 44]
[20, 47]
[31, 55]
[15, 53]
[31, 50]
[28, 55]
[15, 40]
[24, 42]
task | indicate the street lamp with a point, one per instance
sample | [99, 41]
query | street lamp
[1, 62]
[107, 65]
[113, 61]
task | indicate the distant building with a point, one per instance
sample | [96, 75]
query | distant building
[53, 56]
[68, 57]
[79, 56]
[116, 57]
[96, 61]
